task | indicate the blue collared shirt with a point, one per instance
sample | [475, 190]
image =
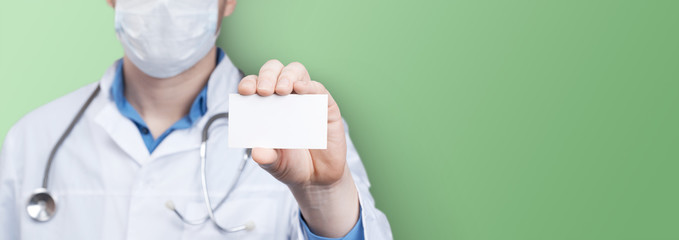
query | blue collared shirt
[197, 110]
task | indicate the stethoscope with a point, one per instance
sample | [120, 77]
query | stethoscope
[42, 206]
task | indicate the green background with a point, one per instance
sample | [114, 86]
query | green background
[476, 119]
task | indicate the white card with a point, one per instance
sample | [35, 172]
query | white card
[283, 122]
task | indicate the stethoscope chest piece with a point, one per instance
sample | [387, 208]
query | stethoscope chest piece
[41, 206]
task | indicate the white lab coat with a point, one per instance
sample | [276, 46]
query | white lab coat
[108, 186]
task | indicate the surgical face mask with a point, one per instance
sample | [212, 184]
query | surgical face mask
[164, 38]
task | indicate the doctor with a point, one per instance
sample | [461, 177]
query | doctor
[131, 167]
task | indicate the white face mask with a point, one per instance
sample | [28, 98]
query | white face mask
[164, 38]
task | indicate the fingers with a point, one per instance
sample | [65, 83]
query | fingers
[274, 78]
[248, 85]
[313, 87]
[293, 72]
[268, 76]
[265, 157]
[309, 87]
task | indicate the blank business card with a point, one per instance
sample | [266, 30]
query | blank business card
[283, 122]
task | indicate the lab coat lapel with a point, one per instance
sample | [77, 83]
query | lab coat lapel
[120, 129]
[124, 133]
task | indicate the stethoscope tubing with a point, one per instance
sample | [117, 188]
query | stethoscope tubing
[41, 205]
[203, 166]
[67, 132]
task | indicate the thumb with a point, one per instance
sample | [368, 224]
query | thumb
[267, 158]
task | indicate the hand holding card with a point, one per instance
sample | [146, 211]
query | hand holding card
[317, 175]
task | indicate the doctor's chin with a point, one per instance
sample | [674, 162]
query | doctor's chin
[175, 141]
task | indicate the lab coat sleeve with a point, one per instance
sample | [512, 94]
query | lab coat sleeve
[9, 219]
[374, 222]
